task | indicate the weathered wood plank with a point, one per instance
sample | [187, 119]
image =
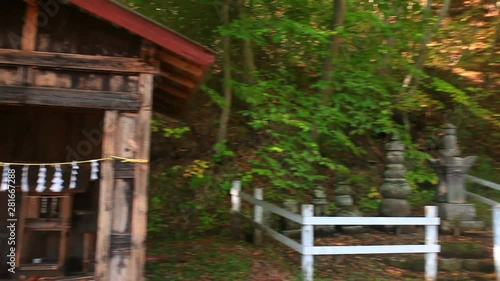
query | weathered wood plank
[66, 213]
[180, 64]
[105, 198]
[174, 92]
[8, 75]
[124, 170]
[28, 41]
[178, 79]
[21, 236]
[125, 147]
[120, 261]
[140, 198]
[69, 98]
[75, 62]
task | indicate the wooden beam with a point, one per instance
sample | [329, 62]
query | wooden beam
[178, 80]
[105, 197]
[75, 62]
[180, 64]
[174, 91]
[140, 199]
[69, 98]
[28, 41]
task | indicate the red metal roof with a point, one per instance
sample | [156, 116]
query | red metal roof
[148, 29]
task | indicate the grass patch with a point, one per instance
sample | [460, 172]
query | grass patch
[204, 260]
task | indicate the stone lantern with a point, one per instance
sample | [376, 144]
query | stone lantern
[451, 193]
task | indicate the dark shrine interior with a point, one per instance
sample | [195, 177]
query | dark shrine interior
[52, 220]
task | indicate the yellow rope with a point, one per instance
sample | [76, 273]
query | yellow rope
[123, 159]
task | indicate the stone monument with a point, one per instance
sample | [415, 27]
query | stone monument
[345, 205]
[320, 202]
[450, 197]
[292, 206]
[321, 209]
[395, 189]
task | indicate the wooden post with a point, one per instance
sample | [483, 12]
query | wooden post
[307, 241]
[235, 209]
[431, 238]
[28, 41]
[496, 239]
[21, 234]
[105, 198]
[120, 244]
[66, 203]
[140, 197]
[258, 217]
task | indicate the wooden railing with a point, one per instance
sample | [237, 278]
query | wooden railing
[495, 216]
[486, 184]
[307, 219]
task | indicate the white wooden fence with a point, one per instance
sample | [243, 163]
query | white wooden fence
[308, 221]
[495, 216]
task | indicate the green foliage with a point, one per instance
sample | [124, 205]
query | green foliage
[303, 136]
[222, 152]
[168, 132]
[190, 194]
[421, 197]
[156, 224]
[419, 170]
[369, 206]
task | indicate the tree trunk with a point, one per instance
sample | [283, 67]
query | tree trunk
[227, 88]
[339, 10]
[420, 57]
[247, 52]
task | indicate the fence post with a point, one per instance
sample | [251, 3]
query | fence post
[431, 237]
[307, 241]
[235, 209]
[496, 239]
[258, 216]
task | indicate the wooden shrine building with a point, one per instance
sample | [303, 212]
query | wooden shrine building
[78, 82]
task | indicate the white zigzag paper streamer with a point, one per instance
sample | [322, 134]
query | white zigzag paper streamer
[94, 170]
[74, 173]
[24, 179]
[5, 178]
[57, 181]
[41, 179]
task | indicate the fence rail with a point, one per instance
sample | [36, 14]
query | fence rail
[308, 221]
[495, 217]
[485, 183]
